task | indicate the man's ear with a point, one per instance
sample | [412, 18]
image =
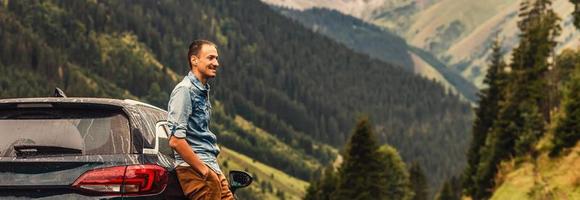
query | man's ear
[193, 60]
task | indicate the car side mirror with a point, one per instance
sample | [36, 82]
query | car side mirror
[239, 179]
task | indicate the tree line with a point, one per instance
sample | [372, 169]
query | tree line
[300, 86]
[532, 97]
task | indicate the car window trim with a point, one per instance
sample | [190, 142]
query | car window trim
[160, 124]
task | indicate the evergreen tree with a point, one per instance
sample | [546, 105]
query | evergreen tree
[322, 188]
[361, 172]
[566, 62]
[398, 183]
[367, 173]
[539, 28]
[576, 12]
[418, 182]
[156, 96]
[445, 193]
[525, 111]
[313, 189]
[567, 132]
[486, 113]
[451, 190]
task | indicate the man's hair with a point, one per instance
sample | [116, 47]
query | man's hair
[194, 49]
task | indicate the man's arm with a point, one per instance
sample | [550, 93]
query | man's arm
[179, 110]
[181, 146]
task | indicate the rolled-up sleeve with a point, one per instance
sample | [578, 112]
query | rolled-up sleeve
[179, 110]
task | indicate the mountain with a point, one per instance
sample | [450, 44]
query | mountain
[522, 152]
[469, 54]
[380, 44]
[459, 32]
[299, 87]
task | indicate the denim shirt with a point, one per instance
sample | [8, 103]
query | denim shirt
[189, 112]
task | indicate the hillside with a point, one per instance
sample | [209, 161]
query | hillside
[469, 54]
[543, 178]
[115, 65]
[434, 31]
[380, 44]
[244, 137]
[526, 130]
[269, 182]
[302, 88]
[460, 37]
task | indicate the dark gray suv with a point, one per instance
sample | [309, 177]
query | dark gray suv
[82, 148]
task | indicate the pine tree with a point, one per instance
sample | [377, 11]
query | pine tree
[451, 190]
[368, 172]
[539, 27]
[313, 189]
[576, 12]
[156, 96]
[324, 187]
[418, 182]
[526, 110]
[445, 193]
[398, 183]
[361, 172]
[486, 113]
[567, 132]
[531, 97]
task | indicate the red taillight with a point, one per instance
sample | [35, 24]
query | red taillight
[145, 179]
[124, 180]
[107, 181]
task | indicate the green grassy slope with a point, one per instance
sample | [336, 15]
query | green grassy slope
[269, 182]
[544, 178]
[243, 136]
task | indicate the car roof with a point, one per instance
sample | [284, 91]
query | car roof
[78, 100]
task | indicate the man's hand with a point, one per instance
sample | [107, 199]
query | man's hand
[184, 150]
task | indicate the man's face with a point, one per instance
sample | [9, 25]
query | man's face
[207, 62]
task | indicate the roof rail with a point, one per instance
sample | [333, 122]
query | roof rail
[58, 93]
[133, 102]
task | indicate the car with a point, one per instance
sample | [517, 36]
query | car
[88, 148]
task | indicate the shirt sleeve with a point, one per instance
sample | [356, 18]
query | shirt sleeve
[179, 110]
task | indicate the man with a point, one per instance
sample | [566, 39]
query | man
[193, 143]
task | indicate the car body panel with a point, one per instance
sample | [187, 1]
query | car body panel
[51, 177]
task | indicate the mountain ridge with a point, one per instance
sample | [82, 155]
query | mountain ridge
[461, 37]
[380, 44]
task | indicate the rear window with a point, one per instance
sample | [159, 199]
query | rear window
[94, 132]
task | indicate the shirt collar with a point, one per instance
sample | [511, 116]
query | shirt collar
[197, 82]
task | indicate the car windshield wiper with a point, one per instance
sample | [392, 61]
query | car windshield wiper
[43, 150]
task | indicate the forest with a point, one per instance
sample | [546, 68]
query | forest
[302, 87]
[528, 115]
[316, 96]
